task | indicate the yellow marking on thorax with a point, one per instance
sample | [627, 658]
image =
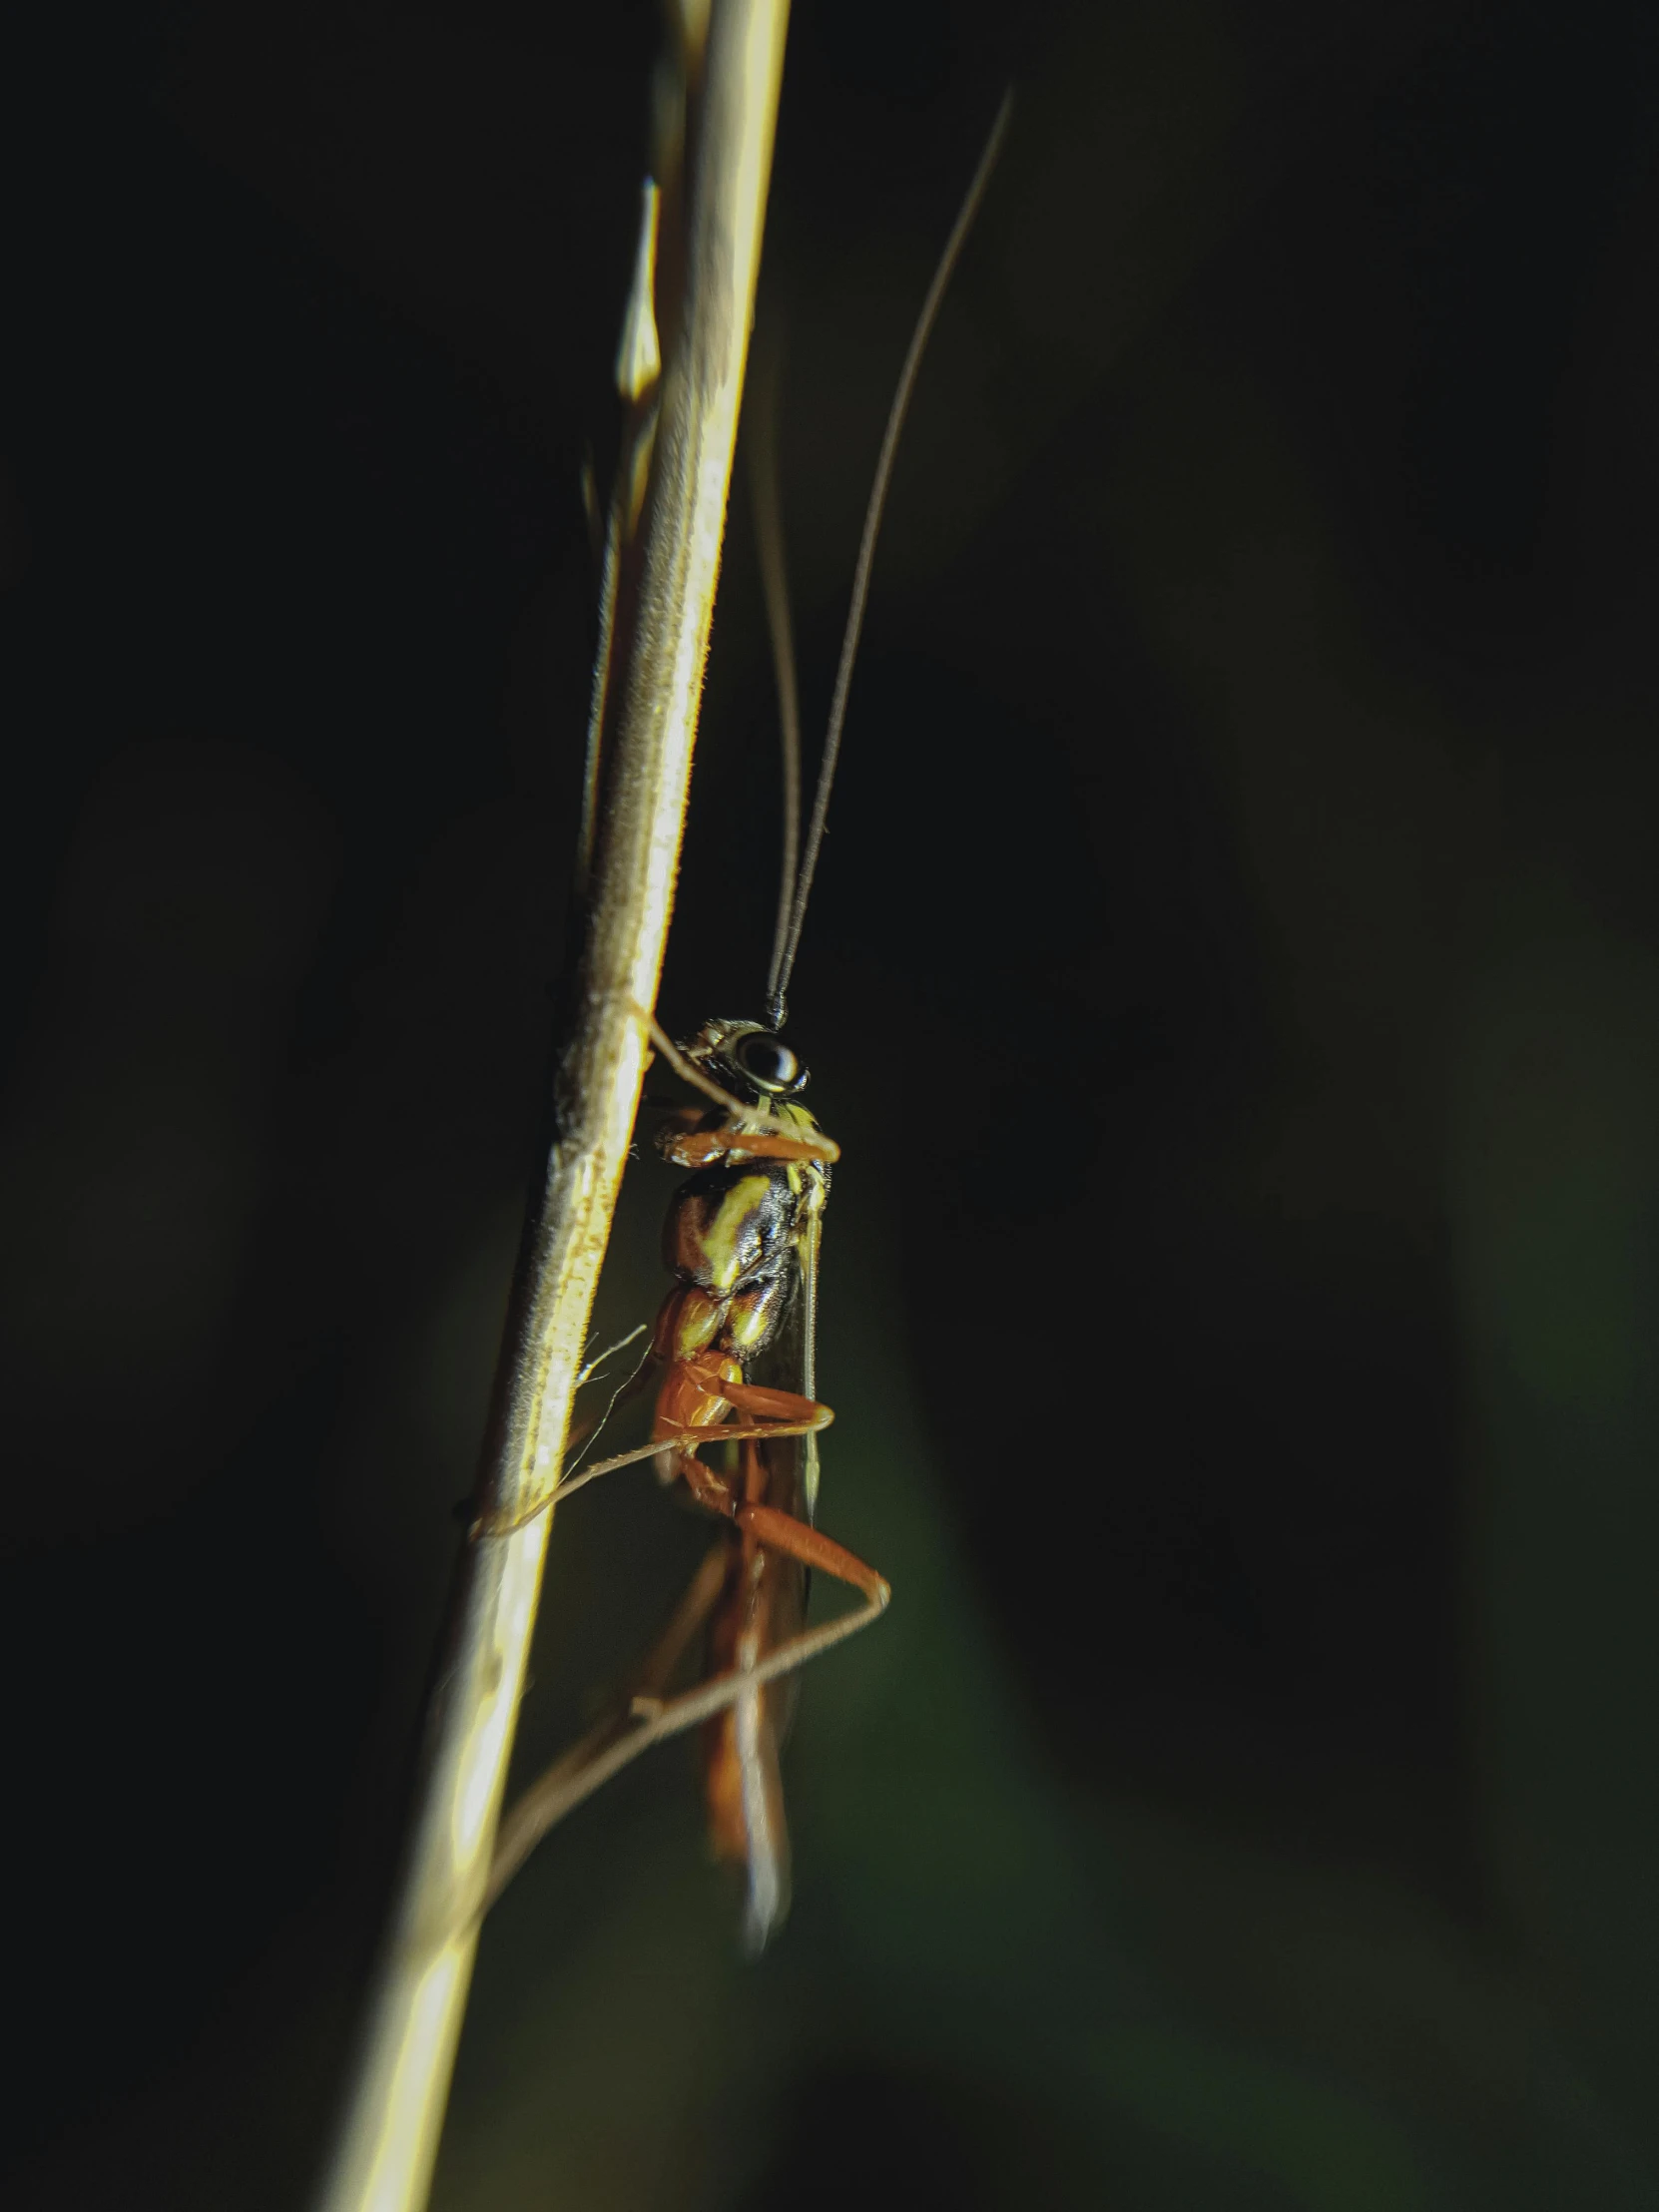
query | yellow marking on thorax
[722, 1241]
[749, 1319]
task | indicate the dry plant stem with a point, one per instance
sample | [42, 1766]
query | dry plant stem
[383, 2156]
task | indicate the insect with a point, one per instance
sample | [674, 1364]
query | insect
[741, 1243]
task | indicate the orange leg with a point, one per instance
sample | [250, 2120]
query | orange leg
[701, 1145]
[781, 1414]
[773, 1413]
[799, 1416]
[799, 1539]
[570, 1779]
[776, 1413]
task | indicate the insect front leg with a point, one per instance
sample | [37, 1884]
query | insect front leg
[703, 1147]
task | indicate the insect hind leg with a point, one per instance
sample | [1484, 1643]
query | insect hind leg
[591, 1762]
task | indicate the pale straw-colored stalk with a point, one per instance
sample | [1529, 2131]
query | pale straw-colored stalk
[730, 63]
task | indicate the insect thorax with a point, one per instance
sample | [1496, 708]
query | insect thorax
[735, 1231]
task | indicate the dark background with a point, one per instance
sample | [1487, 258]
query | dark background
[1232, 982]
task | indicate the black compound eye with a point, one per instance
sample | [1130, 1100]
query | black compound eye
[769, 1060]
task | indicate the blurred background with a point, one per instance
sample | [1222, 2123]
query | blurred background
[1234, 980]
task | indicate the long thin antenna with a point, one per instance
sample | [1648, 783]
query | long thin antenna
[782, 959]
[765, 375]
